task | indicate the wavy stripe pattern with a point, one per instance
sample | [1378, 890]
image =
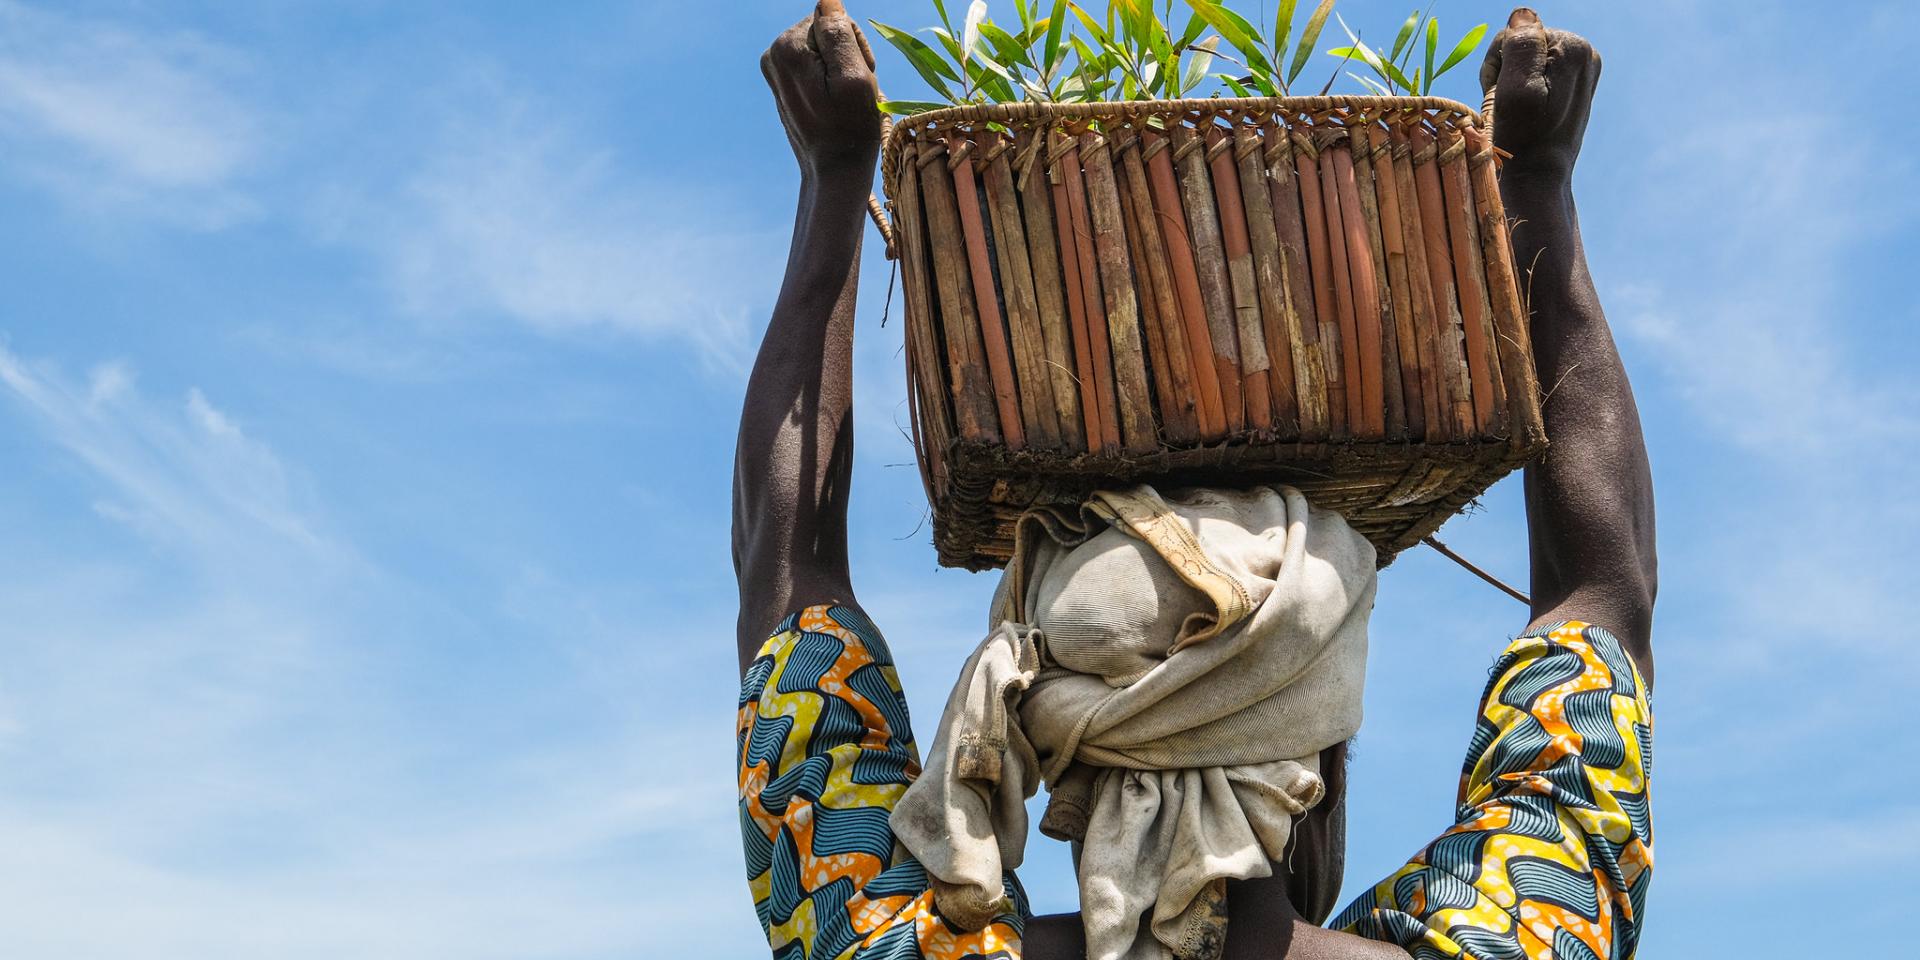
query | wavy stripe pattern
[1552, 851]
[825, 750]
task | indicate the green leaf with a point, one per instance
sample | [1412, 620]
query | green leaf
[947, 41]
[928, 64]
[985, 62]
[1282, 28]
[1361, 50]
[1371, 84]
[1135, 21]
[1158, 40]
[1239, 89]
[1238, 33]
[1393, 73]
[1433, 45]
[1309, 38]
[1026, 13]
[941, 7]
[1050, 54]
[970, 35]
[901, 108]
[1405, 34]
[1462, 49]
[1100, 34]
[991, 79]
[1007, 49]
[1088, 59]
[1200, 62]
[1032, 34]
[1196, 25]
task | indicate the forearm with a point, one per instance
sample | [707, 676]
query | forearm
[795, 448]
[1590, 512]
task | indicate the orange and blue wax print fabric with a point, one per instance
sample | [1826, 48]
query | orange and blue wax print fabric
[1551, 852]
[1550, 855]
[825, 750]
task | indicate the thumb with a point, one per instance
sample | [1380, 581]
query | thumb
[1522, 51]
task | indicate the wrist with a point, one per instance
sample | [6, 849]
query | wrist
[1526, 188]
[841, 170]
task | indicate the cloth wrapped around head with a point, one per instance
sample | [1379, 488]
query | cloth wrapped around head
[1171, 668]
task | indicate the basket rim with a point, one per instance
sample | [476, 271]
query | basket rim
[1029, 111]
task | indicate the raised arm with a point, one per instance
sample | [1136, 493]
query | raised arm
[795, 451]
[1590, 500]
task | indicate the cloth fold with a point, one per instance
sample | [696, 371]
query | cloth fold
[1171, 669]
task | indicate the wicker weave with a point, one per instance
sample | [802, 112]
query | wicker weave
[1312, 290]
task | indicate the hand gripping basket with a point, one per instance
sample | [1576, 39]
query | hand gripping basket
[1314, 290]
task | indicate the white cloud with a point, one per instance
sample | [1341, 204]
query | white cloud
[113, 118]
[249, 743]
[513, 214]
[1751, 336]
[188, 477]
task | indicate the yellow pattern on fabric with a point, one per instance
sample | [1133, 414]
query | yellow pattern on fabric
[1552, 851]
[825, 751]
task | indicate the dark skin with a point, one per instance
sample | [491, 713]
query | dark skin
[1589, 501]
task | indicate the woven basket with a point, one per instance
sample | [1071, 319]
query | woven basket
[1317, 291]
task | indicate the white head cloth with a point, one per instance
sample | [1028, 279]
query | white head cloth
[1171, 668]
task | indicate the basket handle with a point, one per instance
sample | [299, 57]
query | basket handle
[878, 212]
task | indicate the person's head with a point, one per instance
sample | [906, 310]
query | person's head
[1269, 594]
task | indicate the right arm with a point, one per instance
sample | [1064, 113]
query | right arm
[1590, 522]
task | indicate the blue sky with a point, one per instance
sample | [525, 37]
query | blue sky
[368, 373]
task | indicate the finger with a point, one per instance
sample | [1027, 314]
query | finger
[1524, 50]
[866, 52]
[795, 61]
[837, 43]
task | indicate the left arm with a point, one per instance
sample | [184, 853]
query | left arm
[795, 452]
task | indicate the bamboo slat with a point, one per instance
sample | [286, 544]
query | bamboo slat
[1435, 406]
[973, 396]
[1449, 333]
[1062, 159]
[1209, 255]
[1303, 327]
[1160, 307]
[1038, 414]
[932, 418]
[1393, 241]
[1366, 296]
[1331, 140]
[1513, 334]
[1270, 279]
[993, 329]
[1255, 366]
[1470, 276]
[1132, 397]
[1367, 139]
[1172, 218]
[1036, 206]
[1099, 347]
[1306, 158]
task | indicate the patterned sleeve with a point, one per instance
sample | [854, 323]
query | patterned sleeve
[1552, 849]
[825, 750]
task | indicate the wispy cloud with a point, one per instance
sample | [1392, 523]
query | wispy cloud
[113, 118]
[186, 476]
[513, 214]
[240, 723]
